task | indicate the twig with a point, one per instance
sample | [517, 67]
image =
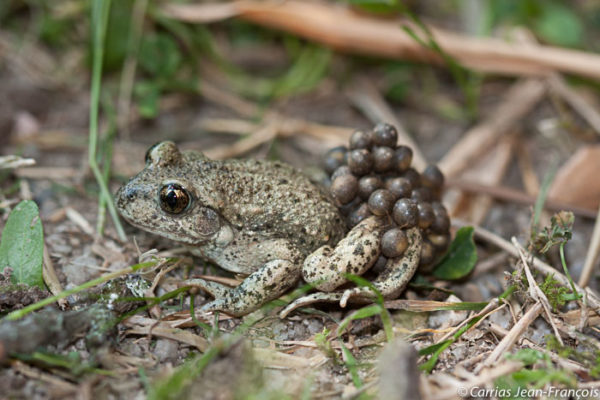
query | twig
[50, 278]
[516, 196]
[10, 162]
[592, 298]
[345, 30]
[536, 293]
[592, 254]
[519, 100]
[514, 334]
[577, 102]
[485, 377]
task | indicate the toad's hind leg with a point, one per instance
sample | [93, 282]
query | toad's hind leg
[396, 275]
[269, 282]
[327, 268]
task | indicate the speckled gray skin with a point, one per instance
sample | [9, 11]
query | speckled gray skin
[256, 218]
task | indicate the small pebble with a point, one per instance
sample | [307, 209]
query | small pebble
[393, 243]
[381, 202]
[360, 161]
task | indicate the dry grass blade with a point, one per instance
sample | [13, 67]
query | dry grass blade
[536, 293]
[592, 298]
[51, 279]
[146, 326]
[518, 101]
[516, 196]
[577, 102]
[9, 162]
[487, 377]
[60, 386]
[489, 170]
[342, 29]
[515, 333]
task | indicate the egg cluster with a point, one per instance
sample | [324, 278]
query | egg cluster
[373, 176]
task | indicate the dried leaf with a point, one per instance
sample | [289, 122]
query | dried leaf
[577, 180]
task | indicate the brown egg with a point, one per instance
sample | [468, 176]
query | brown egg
[344, 188]
[361, 140]
[342, 170]
[381, 202]
[440, 241]
[405, 213]
[400, 187]
[360, 213]
[422, 194]
[335, 158]
[367, 185]
[426, 216]
[427, 253]
[383, 158]
[403, 158]
[432, 177]
[385, 135]
[379, 265]
[413, 177]
[441, 222]
[360, 161]
[394, 242]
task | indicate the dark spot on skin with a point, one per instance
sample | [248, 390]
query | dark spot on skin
[359, 250]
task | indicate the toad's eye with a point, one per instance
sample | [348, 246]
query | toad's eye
[174, 199]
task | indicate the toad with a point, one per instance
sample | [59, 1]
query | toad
[267, 221]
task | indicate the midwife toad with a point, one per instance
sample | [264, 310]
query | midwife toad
[262, 219]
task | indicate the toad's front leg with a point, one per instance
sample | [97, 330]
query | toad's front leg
[269, 282]
[277, 268]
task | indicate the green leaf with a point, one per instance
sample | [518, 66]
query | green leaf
[159, 55]
[22, 245]
[559, 25]
[461, 257]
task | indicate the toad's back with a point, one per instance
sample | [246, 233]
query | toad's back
[268, 199]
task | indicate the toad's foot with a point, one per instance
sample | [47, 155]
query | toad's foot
[390, 283]
[269, 282]
[317, 297]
